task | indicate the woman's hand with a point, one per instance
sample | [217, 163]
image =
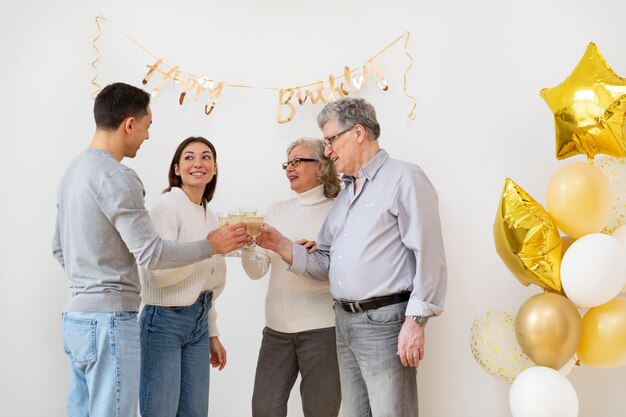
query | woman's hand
[218, 353]
[272, 239]
[309, 244]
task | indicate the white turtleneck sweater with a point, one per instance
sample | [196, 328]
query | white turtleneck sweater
[295, 303]
[175, 217]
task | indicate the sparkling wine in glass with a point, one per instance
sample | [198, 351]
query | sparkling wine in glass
[235, 217]
[247, 211]
[254, 223]
[222, 218]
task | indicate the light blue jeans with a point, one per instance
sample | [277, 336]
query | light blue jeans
[103, 349]
[374, 383]
[175, 359]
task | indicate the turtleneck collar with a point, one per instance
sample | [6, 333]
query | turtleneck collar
[311, 197]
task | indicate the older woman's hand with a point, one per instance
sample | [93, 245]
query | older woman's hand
[272, 239]
[309, 244]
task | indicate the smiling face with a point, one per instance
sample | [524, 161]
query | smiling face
[137, 128]
[303, 177]
[196, 167]
[343, 151]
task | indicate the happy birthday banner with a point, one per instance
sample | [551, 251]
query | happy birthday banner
[330, 89]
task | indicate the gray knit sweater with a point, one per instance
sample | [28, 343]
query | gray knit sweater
[103, 231]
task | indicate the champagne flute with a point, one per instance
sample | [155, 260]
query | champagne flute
[247, 211]
[235, 217]
[222, 218]
[254, 223]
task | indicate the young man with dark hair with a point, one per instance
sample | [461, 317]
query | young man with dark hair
[102, 232]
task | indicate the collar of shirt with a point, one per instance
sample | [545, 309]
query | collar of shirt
[369, 170]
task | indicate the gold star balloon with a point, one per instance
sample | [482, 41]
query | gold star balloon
[589, 109]
[527, 239]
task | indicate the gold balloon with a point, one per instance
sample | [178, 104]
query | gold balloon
[589, 109]
[527, 239]
[495, 347]
[614, 169]
[603, 342]
[580, 199]
[548, 329]
[566, 242]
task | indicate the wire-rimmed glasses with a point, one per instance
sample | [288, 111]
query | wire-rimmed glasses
[295, 162]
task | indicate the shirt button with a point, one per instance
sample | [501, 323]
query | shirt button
[345, 234]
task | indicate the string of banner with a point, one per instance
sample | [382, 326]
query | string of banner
[211, 90]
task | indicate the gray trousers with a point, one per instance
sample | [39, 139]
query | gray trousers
[313, 354]
[373, 381]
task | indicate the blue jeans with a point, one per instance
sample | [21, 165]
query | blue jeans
[313, 353]
[103, 349]
[373, 380]
[175, 358]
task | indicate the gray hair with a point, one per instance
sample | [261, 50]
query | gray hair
[348, 112]
[328, 177]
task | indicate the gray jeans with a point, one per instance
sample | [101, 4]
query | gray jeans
[373, 380]
[313, 353]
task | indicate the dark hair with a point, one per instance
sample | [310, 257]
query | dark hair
[328, 176]
[177, 181]
[348, 112]
[118, 101]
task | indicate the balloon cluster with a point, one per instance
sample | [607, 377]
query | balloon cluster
[583, 269]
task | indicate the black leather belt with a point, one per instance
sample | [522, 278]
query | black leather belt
[373, 303]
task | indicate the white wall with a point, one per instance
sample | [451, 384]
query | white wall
[478, 70]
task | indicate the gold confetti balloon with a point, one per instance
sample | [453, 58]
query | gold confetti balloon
[589, 109]
[495, 348]
[614, 169]
[527, 239]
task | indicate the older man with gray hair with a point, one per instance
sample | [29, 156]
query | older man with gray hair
[382, 250]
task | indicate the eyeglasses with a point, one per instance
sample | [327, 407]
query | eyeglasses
[328, 142]
[295, 162]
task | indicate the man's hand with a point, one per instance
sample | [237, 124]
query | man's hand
[411, 343]
[228, 238]
[218, 353]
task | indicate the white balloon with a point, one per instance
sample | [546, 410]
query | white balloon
[542, 392]
[593, 270]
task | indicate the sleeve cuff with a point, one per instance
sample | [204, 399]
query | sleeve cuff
[298, 263]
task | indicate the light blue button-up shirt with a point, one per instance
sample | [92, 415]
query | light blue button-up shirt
[382, 239]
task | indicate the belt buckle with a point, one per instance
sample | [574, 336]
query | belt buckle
[355, 307]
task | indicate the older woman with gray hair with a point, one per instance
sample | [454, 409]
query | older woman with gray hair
[299, 336]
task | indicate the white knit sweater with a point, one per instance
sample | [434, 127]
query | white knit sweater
[294, 303]
[175, 217]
